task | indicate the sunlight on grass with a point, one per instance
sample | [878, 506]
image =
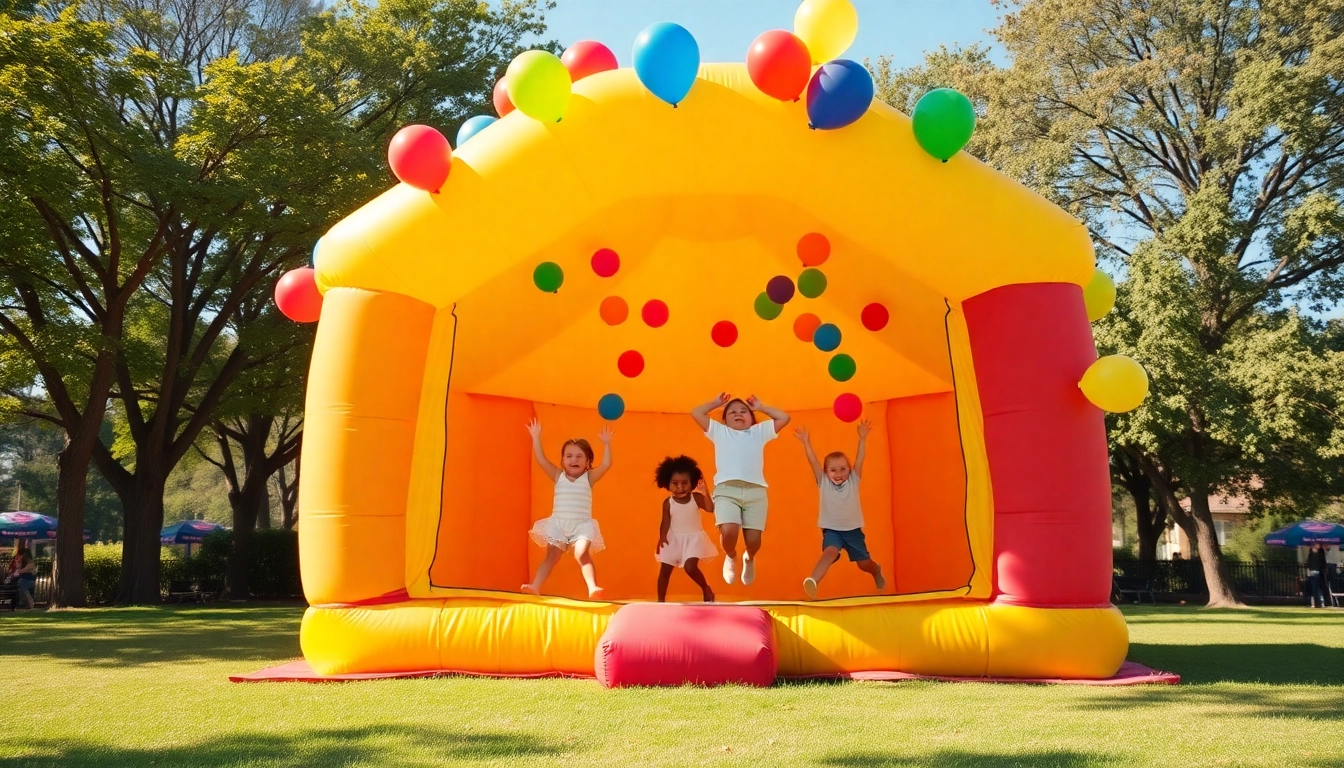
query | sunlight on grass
[148, 687]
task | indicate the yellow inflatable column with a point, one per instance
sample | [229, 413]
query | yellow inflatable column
[359, 431]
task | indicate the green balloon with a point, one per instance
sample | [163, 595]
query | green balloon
[841, 367]
[548, 276]
[539, 85]
[812, 283]
[767, 309]
[944, 120]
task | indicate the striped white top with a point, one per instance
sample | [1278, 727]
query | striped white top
[573, 498]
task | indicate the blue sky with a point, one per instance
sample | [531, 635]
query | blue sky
[904, 29]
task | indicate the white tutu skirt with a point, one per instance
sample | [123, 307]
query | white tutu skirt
[565, 532]
[681, 547]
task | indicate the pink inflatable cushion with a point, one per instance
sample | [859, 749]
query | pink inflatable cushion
[668, 644]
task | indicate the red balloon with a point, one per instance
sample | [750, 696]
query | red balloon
[630, 364]
[500, 97]
[587, 57]
[297, 296]
[779, 64]
[724, 333]
[606, 262]
[875, 317]
[654, 313]
[848, 407]
[421, 157]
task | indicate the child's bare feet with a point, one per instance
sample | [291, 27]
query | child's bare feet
[709, 596]
[531, 590]
[810, 587]
[879, 579]
[595, 592]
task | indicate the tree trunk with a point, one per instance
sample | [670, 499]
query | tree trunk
[1221, 592]
[1151, 520]
[264, 508]
[140, 549]
[245, 504]
[72, 482]
[289, 496]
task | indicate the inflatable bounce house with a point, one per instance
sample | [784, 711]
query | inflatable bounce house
[623, 244]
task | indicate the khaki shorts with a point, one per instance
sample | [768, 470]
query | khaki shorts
[740, 503]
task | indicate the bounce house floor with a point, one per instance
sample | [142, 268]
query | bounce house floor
[1131, 673]
[669, 644]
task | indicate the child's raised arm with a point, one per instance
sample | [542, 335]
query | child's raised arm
[701, 412]
[534, 429]
[865, 427]
[600, 470]
[781, 418]
[702, 497]
[801, 434]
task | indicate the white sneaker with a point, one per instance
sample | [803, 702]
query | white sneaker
[729, 572]
[810, 587]
[748, 569]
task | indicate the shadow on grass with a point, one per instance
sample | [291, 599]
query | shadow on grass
[331, 746]
[1288, 615]
[1272, 664]
[118, 637]
[964, 759]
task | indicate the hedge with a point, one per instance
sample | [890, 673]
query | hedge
[273, 565]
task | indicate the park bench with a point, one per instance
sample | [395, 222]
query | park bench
[9, 593]
[198, 590]
[1136, 586]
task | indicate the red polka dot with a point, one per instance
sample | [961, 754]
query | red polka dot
[848, 407]
[655, 313]
[630, 364]
[875, 317]
[606, 262]
[724, 333]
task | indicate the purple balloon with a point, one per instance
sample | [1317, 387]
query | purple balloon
[779, 289]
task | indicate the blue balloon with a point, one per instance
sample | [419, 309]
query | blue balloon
[838, 94]
[473, 126]
[312, 260]
[826, 337]
[611, 407]
[667, 60]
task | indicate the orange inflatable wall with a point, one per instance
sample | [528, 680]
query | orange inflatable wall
[916, 529]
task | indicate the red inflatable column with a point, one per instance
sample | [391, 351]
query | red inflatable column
[1046, 445]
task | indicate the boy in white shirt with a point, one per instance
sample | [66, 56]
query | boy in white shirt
[739, 480]
[840, 517]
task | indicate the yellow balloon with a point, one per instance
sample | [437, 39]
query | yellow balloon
[1115, 383]
[539, 85]
[1099, 295]
[827, 27]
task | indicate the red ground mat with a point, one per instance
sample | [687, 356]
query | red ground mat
[1130, 673]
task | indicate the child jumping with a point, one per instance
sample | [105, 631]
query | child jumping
[682, 542]
[571, 523]
[840, 517]
[739, 479]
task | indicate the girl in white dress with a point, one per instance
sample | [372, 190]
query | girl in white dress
[571, 523]
[682, 542]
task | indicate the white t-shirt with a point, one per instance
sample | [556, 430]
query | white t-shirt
[840, 510]
[739, 454]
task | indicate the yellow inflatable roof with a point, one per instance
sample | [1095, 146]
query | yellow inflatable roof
[704, 203]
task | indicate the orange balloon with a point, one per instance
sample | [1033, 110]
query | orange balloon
[614, 310]
[814, 249]
[805, 326]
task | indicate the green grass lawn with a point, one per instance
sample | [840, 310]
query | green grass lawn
[1263, 687]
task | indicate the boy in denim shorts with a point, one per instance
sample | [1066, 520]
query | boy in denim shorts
[840, 517]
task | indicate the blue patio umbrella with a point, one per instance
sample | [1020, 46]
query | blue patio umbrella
[27, 525]
[188, 532]
[1306, 533]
